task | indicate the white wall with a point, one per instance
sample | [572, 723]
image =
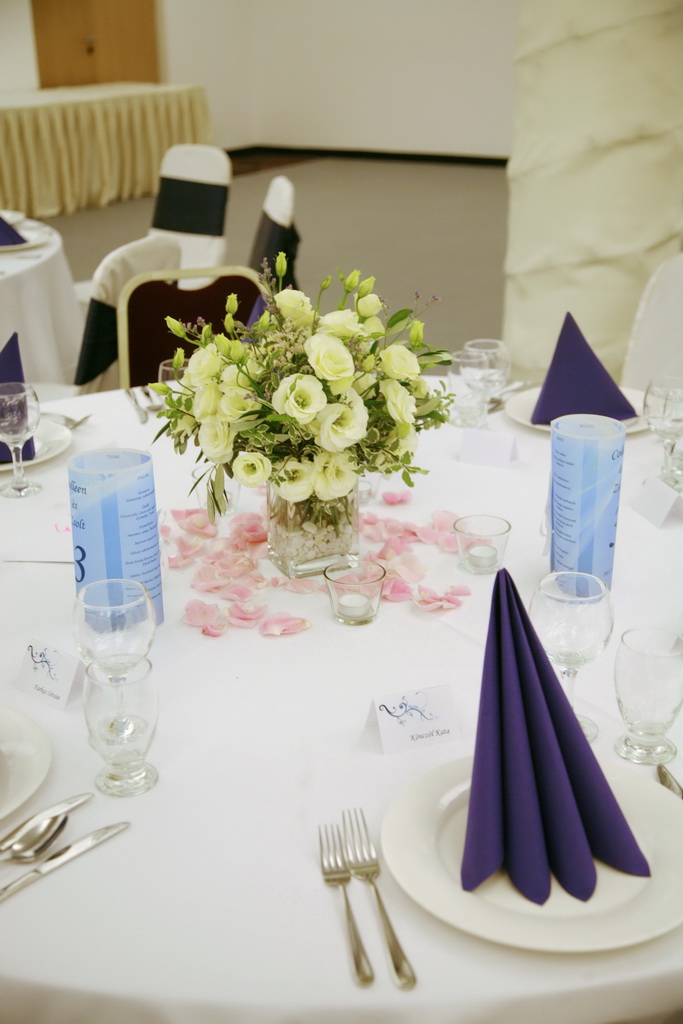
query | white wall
[18, 65]
[407, 76]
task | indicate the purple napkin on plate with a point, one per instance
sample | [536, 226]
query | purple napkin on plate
[11, 369]
[539, 802]
[577, 382]
[8, 236]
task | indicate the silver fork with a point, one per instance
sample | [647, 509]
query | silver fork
[67, 421]
[361, 857]
[336, 873]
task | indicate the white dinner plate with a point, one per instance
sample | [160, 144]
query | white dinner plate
[12, 216]
[25, 756]
[50, 439]
[423, 837]
[33, 238]
[521, 405]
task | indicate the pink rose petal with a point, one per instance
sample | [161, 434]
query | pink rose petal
[207, 616]
[246, 616]
[397, 497]
[281, 624]
[395, 589]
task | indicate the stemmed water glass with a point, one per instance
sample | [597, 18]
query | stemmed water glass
[648, 676]
[572, 614]
[114, 625]
[489, 366]
[663, 410]
[19, 418]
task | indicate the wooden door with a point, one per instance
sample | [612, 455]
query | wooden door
[79, 42]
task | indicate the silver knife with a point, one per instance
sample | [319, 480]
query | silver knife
[63, 807]
[140, 410]
[75, 849]
[667, 779]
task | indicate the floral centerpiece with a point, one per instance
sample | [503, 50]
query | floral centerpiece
[306, 402]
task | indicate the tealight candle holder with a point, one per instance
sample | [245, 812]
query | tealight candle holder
[355, 591]
[481, 542]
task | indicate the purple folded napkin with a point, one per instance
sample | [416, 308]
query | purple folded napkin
[8, 236]
[539, 802]
[577, 382]
[10, 370]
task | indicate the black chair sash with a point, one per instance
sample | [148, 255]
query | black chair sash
[99, 348]
[191, 207]
[272, 238]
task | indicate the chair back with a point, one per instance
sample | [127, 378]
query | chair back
[99, 347]
[656, 342]
[192, 202]
[144, 339]
[276, 231]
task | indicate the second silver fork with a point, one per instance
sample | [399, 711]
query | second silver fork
[336, 873]
[362, 860]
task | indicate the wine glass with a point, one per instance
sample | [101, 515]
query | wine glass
[114, 624]
[498, 362]
[663, 410]
[468, 408]
[168, 374]
[19, 418]
[572, 614]
[648, 675]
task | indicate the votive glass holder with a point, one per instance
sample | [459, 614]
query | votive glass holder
[482, 541]
[368, 488]
[355, 591]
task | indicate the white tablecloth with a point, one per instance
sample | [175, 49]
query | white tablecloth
[38, 301]
[210, 908]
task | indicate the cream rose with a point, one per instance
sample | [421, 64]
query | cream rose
[295, 480]
[237, 402]
[295, 306]
[334, 475]
[252, 468]
[342, 424]
[400, 404]
[340, 323]
[330, 358]
[204, 365]
[215, 439]
[300, 396]
[399, 362]
[206, 400]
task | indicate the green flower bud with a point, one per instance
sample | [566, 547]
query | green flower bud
[160, 389]
[369, 364]
[222, 344]
[178, 358]
[236, 350]
[263, 322]
[175, 327]
[207, 331]
[352, 280]
[326, 284]
[231, 304]
[365, 287]
[281, 264]
[229, 323]
[416, 332]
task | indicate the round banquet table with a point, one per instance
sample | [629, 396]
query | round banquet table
[210, 907]
[38, 301]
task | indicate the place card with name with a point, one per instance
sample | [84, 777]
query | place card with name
[48, 674]
[488, 447]
[656, 501]
[410, 719]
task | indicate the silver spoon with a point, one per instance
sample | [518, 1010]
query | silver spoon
[36, 841]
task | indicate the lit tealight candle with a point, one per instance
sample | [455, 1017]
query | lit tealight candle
[482, 556]
[354, 606]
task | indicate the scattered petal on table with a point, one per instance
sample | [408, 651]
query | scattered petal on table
[396, 589]
[195, 521]
[431, 601]
[246, 616]
[207, 616]
[281, 624]
[397, 497]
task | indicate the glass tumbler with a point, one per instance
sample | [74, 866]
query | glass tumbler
[355, 591]
[648, 676]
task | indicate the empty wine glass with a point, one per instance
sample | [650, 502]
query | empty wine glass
[168, 373]
[498, 362]
[572, 614]
[663, 410]
[19, 418]
[121, 719]
[114, 624]
[648, 675]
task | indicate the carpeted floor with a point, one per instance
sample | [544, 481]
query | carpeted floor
[436, 227]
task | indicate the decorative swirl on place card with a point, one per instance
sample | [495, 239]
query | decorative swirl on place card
[404, 710]
[41, 660]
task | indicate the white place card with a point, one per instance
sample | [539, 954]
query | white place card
[410, 719]
[48, 674]
[656, 501]
[488, 447]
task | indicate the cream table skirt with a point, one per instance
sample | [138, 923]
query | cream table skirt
[210, 908]
[67, 148]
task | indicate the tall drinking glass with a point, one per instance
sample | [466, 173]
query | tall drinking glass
[114, 624]
[498, 362]
[572, 615]
[663, 410]
[19, 418]
[648, 675]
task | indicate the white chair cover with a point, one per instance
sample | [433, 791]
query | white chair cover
[276, 231]
[656, 342]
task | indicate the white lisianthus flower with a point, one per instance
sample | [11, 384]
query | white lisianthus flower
[206, 401]
[252, 468]
[236, 402]
[329, 358]
[204, 365]
[301, 396]
[296, 480]
[363, 383]
[295, 307]
[340, 323]
[399, 362]
[184, 426]
[373, 325]
[341, 424]
[215, 437]
[419, 387]
[400, 403]
[369, 305]
[334, 475]
[233, 376]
